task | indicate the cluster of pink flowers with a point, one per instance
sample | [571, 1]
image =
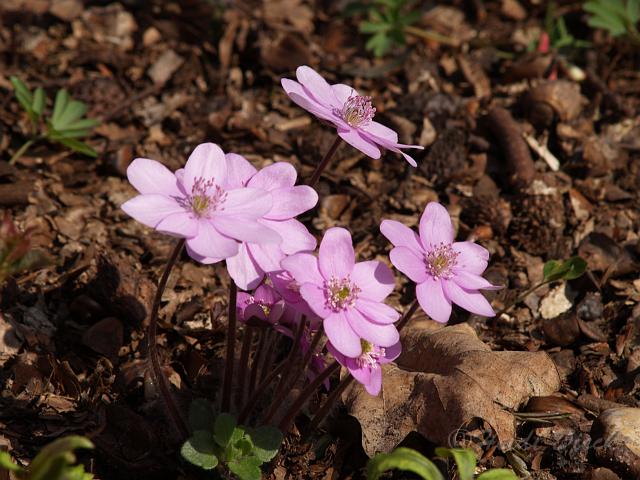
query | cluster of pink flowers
[226, 209]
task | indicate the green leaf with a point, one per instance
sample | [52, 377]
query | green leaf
[6, 463]
[604, 17]
[498, 474]
[73, 111]
[266, 441]
[223, 428]
[247, 468]
[403, 459]
[39, 100]
[201, 415]
[370, 27]
[77, 146]
[570, 269]
[59, 106]
[83, 123]
[200, 450]
[53, 454]
[56, 135]
[23, 94]
[633, 11]
[76, 473]
[464, 458]
[379, 44]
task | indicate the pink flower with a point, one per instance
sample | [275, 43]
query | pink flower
[289, 289]
[265, 304]
[366, 368]
[445, 271]
[199, 204]
[348, 296]
[254, 258]
[351, 113]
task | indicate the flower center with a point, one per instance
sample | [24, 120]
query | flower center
[206, 197]
[266, 307]
[340, 294]
[440, 261]
[357, 111]
[370, 356]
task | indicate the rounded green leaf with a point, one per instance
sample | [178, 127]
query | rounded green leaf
[403, 459]
[223, 428]
[248, 468]
[498, 474]
[266, 441]
[200, 450]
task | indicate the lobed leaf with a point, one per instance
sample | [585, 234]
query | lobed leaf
[39, 100]
[59, 106]
[403, 459]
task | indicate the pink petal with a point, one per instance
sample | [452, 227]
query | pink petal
[471, 257]
[179, 224]
[374, 386]
[266, 294]
[409, 263]
[353, 138]
[336, 256]
[290, 202]
[317, 86]
[435, 226]
[151, 209]
[295, 236]
[374, 278]
[341, 335]
[304, 268]
[299, 95]
[277, 175]
[376, 333]
[401, 236]
[244, 271]
[433, 301]
[316, 299]
[149, 176]
[391, 353]
[267, 256]
[207, 162]
[362, 374]
[380, 131]
[249, 202]
[343, 92]
[471, 281]
[210, 243]
[245, 229]
[239, 171]
[472, 301]
[201, 258]
[377, 312]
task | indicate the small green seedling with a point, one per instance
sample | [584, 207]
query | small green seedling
[54, 462]
[569, 269]
[618, 17]
[218, 441]
[412, 461]
[66, 125]
[16, 254]
[559, 35]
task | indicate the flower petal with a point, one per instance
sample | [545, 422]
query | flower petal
[433, 301]
[289, 202]
[401, 236]
[316, 299]
[209, 242]
[245, 229]
[374, 278]
[239, 171]
[380, 131]
[472, 257]
[471, 281]
[207, 162]
[353, 138]
[391, 353]
[179, 224]
[295, 236]
[471, 301]
[201, 258]
[276, 175]
[435, 226]
[336, 256]
[317, 86]
[249, 202]
[378, 334]
[341, 335]
[267, 256]
[304, 268]
[377, 312]
[299, 95]
[343, 92]
[409, 263]
[150, 176]
[151, 209]
[244, 270]
[374, 385]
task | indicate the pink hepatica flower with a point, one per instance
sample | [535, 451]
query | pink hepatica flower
[444, 271]
[366, 368]
[348, 296]
[198, 203]
[351, 113]
[265, 304]
[254, 258]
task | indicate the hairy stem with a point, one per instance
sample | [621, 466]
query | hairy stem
[329, 403]
[253, 375]
[231, 348]
[247, 340]
[324, 162]
[248, 408]
[21, 151]
[160, 378]
[408, 314]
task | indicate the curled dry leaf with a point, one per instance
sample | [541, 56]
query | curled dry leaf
[444, 379]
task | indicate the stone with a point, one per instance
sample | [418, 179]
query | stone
[557, 301]
[621, 424]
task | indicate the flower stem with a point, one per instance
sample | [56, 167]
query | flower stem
[408, 314]
[247, 340]
[253, 375]
[231, 348]
[324, 162]
[519, 298]
[21, 151]
[248, 408]
[329, 402]
[304, 396]
[160, 378]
